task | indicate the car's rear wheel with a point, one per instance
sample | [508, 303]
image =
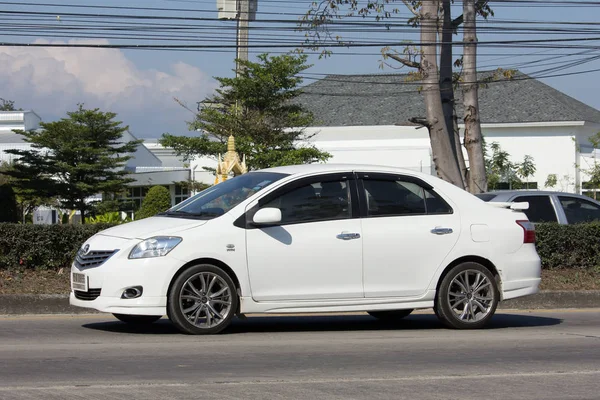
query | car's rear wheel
[467, 297]
[390, 315]
[137, 319]
[202, 300]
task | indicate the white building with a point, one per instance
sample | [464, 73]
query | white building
[11, 121]
[145, 167]
[365, 119]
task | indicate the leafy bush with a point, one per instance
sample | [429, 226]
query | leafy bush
[156, 201]
[107, 218]
[8, 204]
[42, 246]
[54, 246]
[569, 246]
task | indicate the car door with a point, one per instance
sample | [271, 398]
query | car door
[316, 250]
[408, 231]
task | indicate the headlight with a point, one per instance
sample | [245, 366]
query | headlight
[155, 247]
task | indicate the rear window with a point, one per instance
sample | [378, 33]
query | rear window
[486, 196]
[540, 208]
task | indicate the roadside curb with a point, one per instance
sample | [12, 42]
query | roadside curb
[16, 304]
[20, 304]
[555, 299]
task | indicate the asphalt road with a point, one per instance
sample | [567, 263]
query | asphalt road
[522, 355]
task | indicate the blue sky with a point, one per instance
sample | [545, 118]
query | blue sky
[140, 85]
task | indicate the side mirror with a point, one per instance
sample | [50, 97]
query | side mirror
[267, 216]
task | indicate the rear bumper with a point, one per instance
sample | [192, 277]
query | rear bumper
[520, 288]
[523, 276]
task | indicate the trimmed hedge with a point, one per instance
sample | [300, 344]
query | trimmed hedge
[42, 246]
[54, 246]
[569, 246]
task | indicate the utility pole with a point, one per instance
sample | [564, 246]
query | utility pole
[243, 22]
[243, 11]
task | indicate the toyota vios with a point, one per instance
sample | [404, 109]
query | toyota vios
[313, 239]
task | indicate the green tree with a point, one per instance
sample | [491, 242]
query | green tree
[551, 181]
[526, 169]
[27, 201]
[258, 109]
[593, 171]
[74, 158]
[500, 169]
[8, 204]
[156, 201]
[7, 105]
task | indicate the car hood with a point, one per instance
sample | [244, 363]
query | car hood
[150, 227]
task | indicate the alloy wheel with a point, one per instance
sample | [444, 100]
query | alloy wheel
[471, 296]
[205, 300]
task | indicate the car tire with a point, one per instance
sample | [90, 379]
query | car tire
[137, 319]
[467, 297]
[202, 300]
[390, 315]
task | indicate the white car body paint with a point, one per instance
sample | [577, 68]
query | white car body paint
[395, 263]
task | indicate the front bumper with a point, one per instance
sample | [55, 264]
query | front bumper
[118, 273]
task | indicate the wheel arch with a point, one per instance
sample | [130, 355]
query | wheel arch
[472, 258]
[212, 261]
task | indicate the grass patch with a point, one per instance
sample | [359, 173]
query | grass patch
[570, 279]
[28, 281]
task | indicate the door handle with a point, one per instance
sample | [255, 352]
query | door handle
[348, 236]
[441, 231]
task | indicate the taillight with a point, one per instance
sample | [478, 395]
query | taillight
[528, 230]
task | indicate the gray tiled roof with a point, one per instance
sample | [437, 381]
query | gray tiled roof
[10, 137]
[355, 100]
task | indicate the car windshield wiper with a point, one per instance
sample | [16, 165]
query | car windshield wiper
[182, 213]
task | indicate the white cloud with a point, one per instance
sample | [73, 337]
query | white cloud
[52, 80]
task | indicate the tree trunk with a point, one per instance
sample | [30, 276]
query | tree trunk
[447, 88]
[82, 211]
[446, 164]
[477, 182]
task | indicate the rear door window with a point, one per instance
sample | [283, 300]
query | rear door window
[540, 208]
[578, 210]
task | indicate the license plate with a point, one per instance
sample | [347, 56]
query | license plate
[79, 282]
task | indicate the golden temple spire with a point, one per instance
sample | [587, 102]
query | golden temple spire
[230, 163]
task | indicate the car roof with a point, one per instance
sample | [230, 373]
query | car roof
[321, 168]
[508, 193]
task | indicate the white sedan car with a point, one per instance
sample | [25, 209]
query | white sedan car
[313, 239]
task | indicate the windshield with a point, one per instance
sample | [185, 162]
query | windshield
[219, 199]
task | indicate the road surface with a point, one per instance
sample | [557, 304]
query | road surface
[522, 355]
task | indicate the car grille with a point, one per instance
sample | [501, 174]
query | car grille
[91, 294]
[93, 258]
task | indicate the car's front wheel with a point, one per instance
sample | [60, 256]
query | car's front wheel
[390, 315]
[137, 319]
[202, 300]
[467, 297]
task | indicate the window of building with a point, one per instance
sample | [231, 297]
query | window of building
[181, 193]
